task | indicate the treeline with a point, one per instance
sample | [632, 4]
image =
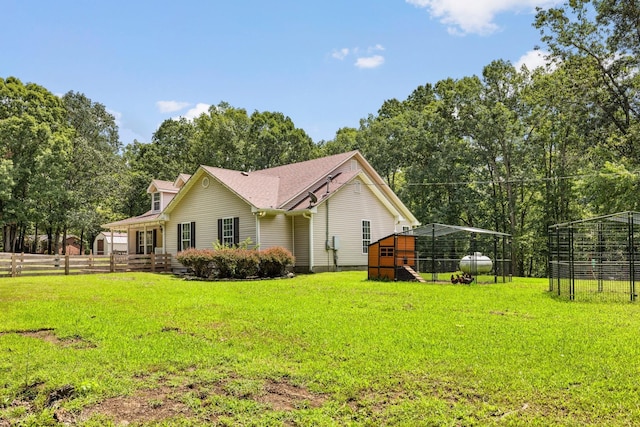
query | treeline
[512, 150]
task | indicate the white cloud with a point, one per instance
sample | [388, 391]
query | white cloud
[533, 59]
[370, 61]
[340, 53]
[117, 116]
[197, 111]
[463, 17]
[171, 106]
[127, 136]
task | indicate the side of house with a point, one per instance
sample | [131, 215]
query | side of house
[325, 211]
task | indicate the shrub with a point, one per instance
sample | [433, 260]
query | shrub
[248, 263]
[199, 260]
[235, 263]
[226, 262]
[274, 261]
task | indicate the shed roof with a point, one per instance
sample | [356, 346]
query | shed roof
[625, 217]
[438, 230]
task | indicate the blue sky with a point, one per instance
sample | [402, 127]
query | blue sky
[326, 64]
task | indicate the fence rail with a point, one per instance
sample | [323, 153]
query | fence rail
[13, 265]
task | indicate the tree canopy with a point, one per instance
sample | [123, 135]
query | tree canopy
[513, 150]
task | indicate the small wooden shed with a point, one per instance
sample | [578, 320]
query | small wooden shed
[394, 258]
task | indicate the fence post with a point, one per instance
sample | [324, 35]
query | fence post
[112, 263]
[153, 262]
[66, 264]
[14, 271]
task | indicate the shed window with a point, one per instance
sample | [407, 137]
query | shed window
[386, 252]
[366, 235]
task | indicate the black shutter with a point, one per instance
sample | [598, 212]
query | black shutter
[236, 230]
[137, 243]
[220, 230]
[179, 237]
[155, 239]
[193, 234]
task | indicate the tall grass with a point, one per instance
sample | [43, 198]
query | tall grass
[378, 353]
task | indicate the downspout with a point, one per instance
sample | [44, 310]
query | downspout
[327, 246]
[144, 252]
[164, 240]
[257, 216]
[310, 218]
[293, 236]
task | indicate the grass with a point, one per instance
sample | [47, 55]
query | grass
[323, 349]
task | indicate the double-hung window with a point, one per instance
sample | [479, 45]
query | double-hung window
[156, 202]
[145, 242]
[227, 231]
[185, 235]
[366, 235]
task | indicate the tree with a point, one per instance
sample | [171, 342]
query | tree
[220, 138]
[274, 141]
[33, 131]
[598, 41]
[92, 165]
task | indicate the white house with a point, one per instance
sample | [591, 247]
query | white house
[325, 211]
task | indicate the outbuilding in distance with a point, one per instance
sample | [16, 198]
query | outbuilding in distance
[435, 251]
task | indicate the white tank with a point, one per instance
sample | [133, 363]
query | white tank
[475, 264]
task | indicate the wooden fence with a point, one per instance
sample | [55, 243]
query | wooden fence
[13, 265]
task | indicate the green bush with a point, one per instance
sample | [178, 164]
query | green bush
[226, 262]
[199, 260]
[274, 261]
[234, 263]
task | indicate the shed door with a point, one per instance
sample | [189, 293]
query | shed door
[100, 247]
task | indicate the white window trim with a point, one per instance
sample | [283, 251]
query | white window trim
[145, 242]
[182, 235]
[159, 201]
[227, 239]
[367, 241]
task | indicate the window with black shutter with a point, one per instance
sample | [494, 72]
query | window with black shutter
[186, 236]
[229, 231]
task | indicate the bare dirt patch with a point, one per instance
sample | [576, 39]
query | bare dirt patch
[283, 396]
[146, 405]
[49, 335]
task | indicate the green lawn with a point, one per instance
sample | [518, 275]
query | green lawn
[323, 349]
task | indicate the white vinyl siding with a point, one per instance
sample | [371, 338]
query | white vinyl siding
[275, 230]
[346, 212]
[301, 240]
[205, 206]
